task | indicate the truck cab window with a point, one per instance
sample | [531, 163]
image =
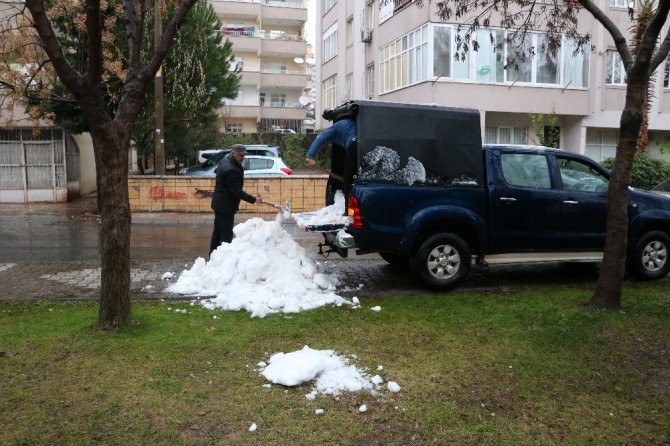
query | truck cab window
[580, 177]
[526, 170]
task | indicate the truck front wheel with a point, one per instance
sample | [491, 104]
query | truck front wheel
[442, 261]
[649, 259]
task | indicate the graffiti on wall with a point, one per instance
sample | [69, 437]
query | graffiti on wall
[200, 193]
[158, 193]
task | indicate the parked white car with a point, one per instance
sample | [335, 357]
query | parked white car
[254, 165]
[252, 149]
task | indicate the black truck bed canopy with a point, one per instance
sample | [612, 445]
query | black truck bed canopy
[446, 141]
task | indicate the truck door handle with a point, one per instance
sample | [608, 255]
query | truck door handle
[570, 202]
[510, 199]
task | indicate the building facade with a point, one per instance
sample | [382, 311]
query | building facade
[400, 52]
[271, 51]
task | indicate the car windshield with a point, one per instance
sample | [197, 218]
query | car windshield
[216, 158]
[663, 187]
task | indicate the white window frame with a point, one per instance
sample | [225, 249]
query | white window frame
[618, 4]
[596, 140]
[517, 135]
[329, 89]
[328, 5]
[370, 80]
[348, 87]
[277, 100]
[405, 61]
[330, 43]
[235, 127]
[350, 31]
[370, 15]
[615, 72]
[466, 71]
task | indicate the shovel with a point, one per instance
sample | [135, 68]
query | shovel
[286, 210]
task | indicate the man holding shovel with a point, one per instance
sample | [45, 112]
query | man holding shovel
[227, 195]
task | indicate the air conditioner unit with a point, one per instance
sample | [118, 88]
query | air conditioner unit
[366, 35]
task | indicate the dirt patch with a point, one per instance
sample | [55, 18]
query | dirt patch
[642, 353]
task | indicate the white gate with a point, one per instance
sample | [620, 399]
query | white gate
[32, 166]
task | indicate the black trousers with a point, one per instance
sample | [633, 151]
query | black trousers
[350, 168]
[223, 229]
[344, 164]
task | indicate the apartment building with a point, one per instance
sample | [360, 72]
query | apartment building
[397, 51]
[270, 48]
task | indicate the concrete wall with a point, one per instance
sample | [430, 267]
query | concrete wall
[194, 194]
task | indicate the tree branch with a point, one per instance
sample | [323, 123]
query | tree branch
[662, 52]
[70, 77]
[657, 22]
[151, 68]
[133, 31]
[619, 39]
[94, 34]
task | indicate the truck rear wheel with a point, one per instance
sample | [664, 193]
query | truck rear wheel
[442, 261]
[649, 258]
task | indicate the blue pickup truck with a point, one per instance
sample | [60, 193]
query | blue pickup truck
[429, 196]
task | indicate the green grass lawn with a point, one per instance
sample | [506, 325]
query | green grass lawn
[516, 367]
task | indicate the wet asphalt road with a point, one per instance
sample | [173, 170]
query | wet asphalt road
[52, 250]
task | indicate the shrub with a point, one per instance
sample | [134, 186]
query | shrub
[647, 172]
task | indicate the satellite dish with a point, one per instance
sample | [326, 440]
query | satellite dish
[302, 100]
[299, 60]
[310, 61]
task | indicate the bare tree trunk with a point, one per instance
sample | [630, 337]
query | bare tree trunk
[608, 291]
[643, 138]
[111, 146]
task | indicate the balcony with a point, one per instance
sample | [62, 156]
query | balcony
[250, 9]
[292, 13]
[268, 111]
[262, 42]
[283, 111]
[284, 13]
[289, 79]
[243, 41]
[284, 45]
[250, 78]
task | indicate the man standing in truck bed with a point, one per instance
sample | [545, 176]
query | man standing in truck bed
[342, 135]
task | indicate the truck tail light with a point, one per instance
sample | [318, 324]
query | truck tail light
[354, 213]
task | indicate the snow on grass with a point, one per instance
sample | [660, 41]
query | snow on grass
[332, 374]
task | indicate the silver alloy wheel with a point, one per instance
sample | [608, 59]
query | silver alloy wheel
[443, 262]
[654, 255]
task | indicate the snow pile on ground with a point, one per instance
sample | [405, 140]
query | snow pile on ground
[330, 215]
[331, 373]
[263, 270]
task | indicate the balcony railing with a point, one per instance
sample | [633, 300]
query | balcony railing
[283, 105]
[278, 3]
[295, 105]
[270, 71]
[261, 34]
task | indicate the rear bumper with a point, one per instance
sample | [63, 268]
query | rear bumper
[340, 239]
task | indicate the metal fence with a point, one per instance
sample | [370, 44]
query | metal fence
[32, 160]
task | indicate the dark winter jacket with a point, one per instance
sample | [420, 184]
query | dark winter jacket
[228, 190]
